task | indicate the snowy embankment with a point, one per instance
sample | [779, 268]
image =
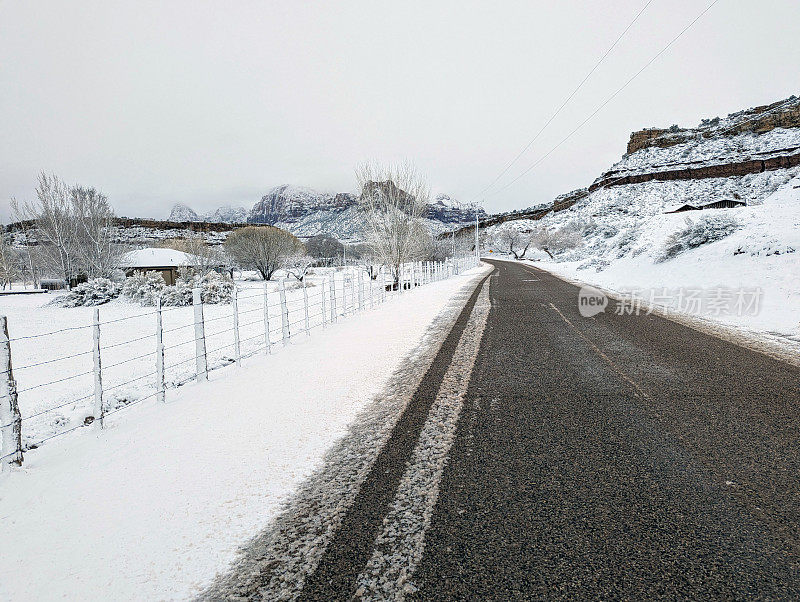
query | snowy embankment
[158, 503]
[749, 277]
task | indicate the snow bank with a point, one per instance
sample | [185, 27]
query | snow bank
[626, 232]
[157, 504]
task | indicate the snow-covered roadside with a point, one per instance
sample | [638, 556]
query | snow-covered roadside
[158, 503]
[748, 278]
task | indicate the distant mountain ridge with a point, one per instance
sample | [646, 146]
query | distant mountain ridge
[307, 212]
[226, 214]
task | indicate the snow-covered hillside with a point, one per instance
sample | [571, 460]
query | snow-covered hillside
[628, 239]
[633, 243]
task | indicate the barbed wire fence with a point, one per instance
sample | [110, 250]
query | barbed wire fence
[98, 382]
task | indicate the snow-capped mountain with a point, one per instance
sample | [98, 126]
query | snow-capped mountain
[183, 213]
[227, 214]
[306, 212]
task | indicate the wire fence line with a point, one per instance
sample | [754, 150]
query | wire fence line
[119, 370]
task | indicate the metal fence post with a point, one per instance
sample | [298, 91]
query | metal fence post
[371, 283]
[305, 306]
[201, 362]
[160, 382]
[237, 347]
[360, 290]
[324, 308]
[267, 342]
[332, 291]
[284, 314]
[11, 430]
[98, 373]
[353, 291]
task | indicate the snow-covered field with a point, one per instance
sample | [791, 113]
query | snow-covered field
[156, 504]
[128, 346]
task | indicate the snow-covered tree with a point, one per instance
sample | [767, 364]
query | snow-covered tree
[557, 240]
[73, 227]
[509, 237]
[262, 248]
[10, 268]
[298, 265]
[393, 201]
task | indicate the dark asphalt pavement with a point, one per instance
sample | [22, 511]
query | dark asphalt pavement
[616, 457]
[620, 456]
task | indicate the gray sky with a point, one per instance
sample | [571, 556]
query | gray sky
[208, 103]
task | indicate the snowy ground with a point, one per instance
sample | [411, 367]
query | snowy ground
[159, 502]
[626, 230]
[128, 346]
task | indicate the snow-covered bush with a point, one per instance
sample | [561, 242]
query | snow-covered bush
[179, 294]
[708, 228]
[215, 288]
[94, 292]
[144, 288]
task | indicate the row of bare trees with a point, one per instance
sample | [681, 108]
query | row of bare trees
[68, 232]
[516, 240]
[71, 229]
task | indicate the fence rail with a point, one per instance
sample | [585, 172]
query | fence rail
[125, 372]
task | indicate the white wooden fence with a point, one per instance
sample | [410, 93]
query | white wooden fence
[256, 323]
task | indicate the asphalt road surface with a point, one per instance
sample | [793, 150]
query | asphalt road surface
[546, 455]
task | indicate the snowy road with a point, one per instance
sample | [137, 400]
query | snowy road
[543, 454]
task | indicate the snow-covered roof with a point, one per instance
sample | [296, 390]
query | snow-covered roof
[154, 257]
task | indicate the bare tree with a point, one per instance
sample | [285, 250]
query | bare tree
[94, 248]
[262, 248]
[55, 225]
[511, 238]
[25, 229]
[204, 258]
[9, 263]
[557, 240]
[393, 200]
[73, 229]
[324, 246]
[298, 265]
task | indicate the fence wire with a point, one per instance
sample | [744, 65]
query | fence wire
[289, 312]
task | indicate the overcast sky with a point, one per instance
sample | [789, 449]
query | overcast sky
[210, 103]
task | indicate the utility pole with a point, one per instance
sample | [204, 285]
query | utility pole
[477, 249]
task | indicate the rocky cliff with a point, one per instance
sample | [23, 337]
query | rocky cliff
[758, 120]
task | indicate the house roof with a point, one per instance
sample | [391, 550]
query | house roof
[153, 257]
[684, 208]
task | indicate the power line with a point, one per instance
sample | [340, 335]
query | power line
[609, 99]
[566, 100]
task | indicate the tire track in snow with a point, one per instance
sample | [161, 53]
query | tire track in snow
[276, 563]
[399, 548]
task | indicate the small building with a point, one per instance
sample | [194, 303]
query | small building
[723, 204]
[683, 208]
[166, 262]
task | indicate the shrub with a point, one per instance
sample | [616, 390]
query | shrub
[215, 288]
[144, 289]
[709, 228]
[96, 291]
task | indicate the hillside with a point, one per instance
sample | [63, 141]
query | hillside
[632, 240]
